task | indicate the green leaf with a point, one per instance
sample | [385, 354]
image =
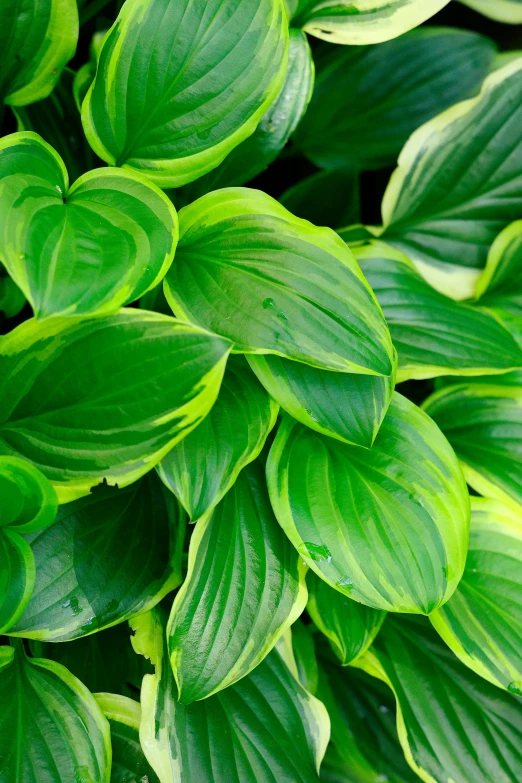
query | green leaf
[345, 406]
[249, 270]
[103, 661]
[174, 105]
[108, 557]
[509, 11]
[254, 154]
[12, 299]
[27, 503]
[368, 99]
[57, 121]
[482, 621]
[387, 526]
[84, 249]
[129, 764]
[456, 187]
[303, 649]
[36, 41]
[433, 334]
[366, 746]
[349, 626]
[244, 587]
[205, 464]
[501, 280]
[85, 75]
[51, 728]
[327, 198]
[264, 728]
[473, 732]
[363, 21]
[130, 387]
[483, 423]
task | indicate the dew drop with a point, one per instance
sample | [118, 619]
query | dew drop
[346, 583]
[515, 687]
[384, 709]
[318, 552]
[448, 572]
[269, 302]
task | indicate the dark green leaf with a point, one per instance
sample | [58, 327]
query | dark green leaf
[303, 648]
[328, 198]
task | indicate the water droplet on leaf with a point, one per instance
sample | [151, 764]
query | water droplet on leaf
[318, 552]
[515, 687]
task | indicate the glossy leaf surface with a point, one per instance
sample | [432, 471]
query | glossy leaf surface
[174, 104]
[264, 727]
[387, 526]
[243, 589]
[205, 464]
[433, 334]
[128, 760]
[455, 188]
[501, 280]
[345, 406]
[367, 100]
[36, 41]
[363, 21]
[88, 248]
[509, 11]
[483, 423]
[65, 734]
[475, 732]
[122, 400]
[107, 557]
[249, 270]
[349, 626]
[482, 621]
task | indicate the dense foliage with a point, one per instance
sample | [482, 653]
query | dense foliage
[241, 411]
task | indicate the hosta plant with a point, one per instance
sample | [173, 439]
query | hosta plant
[261, 391]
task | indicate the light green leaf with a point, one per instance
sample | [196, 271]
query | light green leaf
[482, 621]
[249, 270]
[367, 100]
[366, 746]
[88, 248]
[244, 587]
[303, 649]
[475, 731]
[51, 728]
[103, 661]
[363, 21]
[349, 626]
[483, 423]
[108, 557]
[36, 41]
[345, 406]
[501, 280]
[27, 503]
[129, 764]
[327, 198]
[57, 120]
[509, 11]
[266, 727]
[456, 188]
[386, 526]
[205, 464]
[104, 398]
[433, 334]
[180, 84]
[254, 154]
[85, 75]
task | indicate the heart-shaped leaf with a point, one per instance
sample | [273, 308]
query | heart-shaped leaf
[345, 406]
[27, 503]
[501, 280]
[85, 249]
[247, 269]
[104, 398]
[36, 41]
[362, 21]
[433, 334]
[205, 464]
[387, 526]
[244, 588]
[483, 423]
[180, 84]
[78, 587]
[367, 100]
[482, 621]
[349, 626]
[65, 734]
